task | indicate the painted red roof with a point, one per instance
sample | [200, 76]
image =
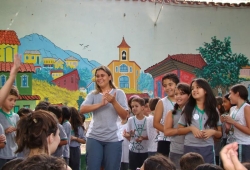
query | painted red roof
[29, 97]
[194, 60]
[142, 95]
[25, 67]
[215, 4]
[9, 37]
[123, 44]
[66, 75]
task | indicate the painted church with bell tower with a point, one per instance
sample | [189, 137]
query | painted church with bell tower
[125, 72]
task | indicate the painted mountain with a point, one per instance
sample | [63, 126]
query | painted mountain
[49, 49]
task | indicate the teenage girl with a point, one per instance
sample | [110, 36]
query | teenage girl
[137, 132]
[200, 121]
[238, 123]
[182, 93]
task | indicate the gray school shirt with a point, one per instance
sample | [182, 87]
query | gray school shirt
[67, 128]
[177, 142]
[7, 120]
[190, 140]
[104, 126]
[63, 136]
[81, 135]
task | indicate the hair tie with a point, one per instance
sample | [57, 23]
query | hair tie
[34, 120]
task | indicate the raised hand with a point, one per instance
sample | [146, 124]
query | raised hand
[16, 66]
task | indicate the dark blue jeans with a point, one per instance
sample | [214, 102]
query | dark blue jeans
[106, 154]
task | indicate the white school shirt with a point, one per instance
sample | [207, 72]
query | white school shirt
[152, 134]
[140, 128]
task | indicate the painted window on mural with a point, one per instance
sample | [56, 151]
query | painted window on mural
[124, 82]
[131, 70]
[116, 69]
[159, 88]
[123, 68]
[124, 55]
[24, 81]
[3, 80]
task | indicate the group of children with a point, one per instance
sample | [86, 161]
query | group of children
[188, 120]
[24, 134]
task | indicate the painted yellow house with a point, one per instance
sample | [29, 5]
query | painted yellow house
[71, 62]
[9, 43]
[32, 56]
[125, 72]
[48, 61]
[56, 73]
[59, 63]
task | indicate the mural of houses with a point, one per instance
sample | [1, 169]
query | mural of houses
[181, 64]
[125, 72]
[56, 73]
[68, 81]
[59, 64]
[23, 82]
[9, 43]
[32, 56]
[245, 72]
[71, 62]
[49, 62]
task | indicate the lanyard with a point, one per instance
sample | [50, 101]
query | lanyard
[170, 101]
[201, 113]
[235, 113]
[7, 116]
[139, 132]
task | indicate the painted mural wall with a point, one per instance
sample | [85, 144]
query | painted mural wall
[63, 41]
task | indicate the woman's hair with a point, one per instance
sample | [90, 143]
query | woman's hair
[153, 102]
[219, 102]
[242, 90]
[106, 70]
[42, 105]
[66, 114]
[139, 100]
[33, 130]
[209, 105]
[55, 110]
[75, 120]
[42, 162]
[158, 162]
[185, 89]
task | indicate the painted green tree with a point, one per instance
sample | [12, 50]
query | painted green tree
[223, 66]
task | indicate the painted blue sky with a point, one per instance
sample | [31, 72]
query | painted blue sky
[100, 25]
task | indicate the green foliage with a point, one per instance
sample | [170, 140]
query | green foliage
[223, 66]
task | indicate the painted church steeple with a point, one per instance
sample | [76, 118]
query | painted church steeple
[123, 50]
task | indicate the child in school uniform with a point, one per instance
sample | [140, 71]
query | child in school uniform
[169, 82]
[9, 120]
[200, 121]
[182, 93]
[238, 122]
[152, 132]
[67, 128]
[137, 132]
[5, 97]
[63, 137]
